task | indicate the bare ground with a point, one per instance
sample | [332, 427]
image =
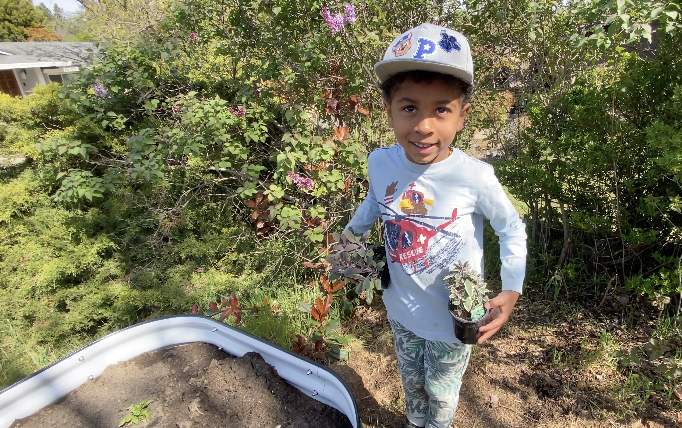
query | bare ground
[543, 370]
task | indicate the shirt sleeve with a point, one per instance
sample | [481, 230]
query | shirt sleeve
[496, 206]
[367, 213]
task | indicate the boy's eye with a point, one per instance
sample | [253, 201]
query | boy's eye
[441, 110]
[410, 109]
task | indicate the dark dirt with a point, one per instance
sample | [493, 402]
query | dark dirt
[194, 385]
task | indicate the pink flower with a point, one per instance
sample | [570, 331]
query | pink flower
[300, 181]
[176, 107]
[334, 22]
[194, 36]
[239, 112]
[349, 14]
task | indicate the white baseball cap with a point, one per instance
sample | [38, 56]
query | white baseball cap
[428, 47]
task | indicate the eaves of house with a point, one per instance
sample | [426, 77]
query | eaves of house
[23, 65]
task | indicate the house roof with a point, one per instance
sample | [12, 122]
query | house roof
[9, 62]
[45, 54]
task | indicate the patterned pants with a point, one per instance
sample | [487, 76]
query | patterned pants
[432, 376]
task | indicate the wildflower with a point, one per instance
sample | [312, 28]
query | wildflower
[239, 112]
[194, 36]
[349, 14]
[100, 90]
[300, 181]
[176, 107]
[334, 22]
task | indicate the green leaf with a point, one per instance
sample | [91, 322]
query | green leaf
[276, 10]
[672, 14]
[621, 5]
[657, 11]
[338, 353]
[341, 339]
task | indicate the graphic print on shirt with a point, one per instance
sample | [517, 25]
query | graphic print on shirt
[411, 237]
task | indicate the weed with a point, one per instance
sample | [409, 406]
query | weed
[138, 413]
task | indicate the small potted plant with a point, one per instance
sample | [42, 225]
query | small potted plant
[468, 293]
[360, 262]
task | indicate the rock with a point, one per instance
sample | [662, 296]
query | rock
[494, 401]
[194, 406]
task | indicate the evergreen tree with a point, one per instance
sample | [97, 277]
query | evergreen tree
[16, 17]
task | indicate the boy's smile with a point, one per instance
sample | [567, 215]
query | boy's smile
[425, 118]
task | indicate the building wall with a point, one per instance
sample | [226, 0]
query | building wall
[33, 77]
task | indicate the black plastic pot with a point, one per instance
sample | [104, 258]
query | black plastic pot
[466, 331]
[379, 255]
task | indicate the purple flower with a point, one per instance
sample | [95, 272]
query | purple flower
[300, 181]
[193, 36]
[334, 22]
[349, 14]
[100, 90]
[239, 112]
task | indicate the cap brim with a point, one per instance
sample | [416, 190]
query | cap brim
[388, 68]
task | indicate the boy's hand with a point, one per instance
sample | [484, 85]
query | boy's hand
[501, 306]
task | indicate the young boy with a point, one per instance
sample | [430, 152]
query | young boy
[432, 199]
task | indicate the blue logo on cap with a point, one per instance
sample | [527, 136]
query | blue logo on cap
[426, 47]
[448, 43]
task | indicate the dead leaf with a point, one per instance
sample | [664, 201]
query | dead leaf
[320, 167]
[342, 133]
[363, 111]
[337, 285]
[678, 393]
[331, 105]
[325, 282]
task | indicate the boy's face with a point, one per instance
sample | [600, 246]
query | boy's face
[425, 118]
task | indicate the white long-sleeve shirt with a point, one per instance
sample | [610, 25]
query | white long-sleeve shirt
[433, 216]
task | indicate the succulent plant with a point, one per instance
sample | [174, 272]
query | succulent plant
[359, 262]
[468, 290]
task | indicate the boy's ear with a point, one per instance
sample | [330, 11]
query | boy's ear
[464, 111]
[387, 106]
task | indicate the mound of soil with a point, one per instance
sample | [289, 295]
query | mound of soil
[194, 385]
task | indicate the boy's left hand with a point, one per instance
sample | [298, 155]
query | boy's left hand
[501, 306]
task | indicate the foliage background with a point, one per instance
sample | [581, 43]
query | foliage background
[213, 149]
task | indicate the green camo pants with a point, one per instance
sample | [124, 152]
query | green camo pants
[432, 376]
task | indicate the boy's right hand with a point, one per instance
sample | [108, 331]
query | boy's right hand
[502, 306]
